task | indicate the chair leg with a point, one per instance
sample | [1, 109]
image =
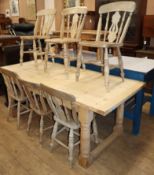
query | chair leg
[101, 57]
[52, 53]
[120, 63]
[40, 49]
[95, 131]
[71, 147]
[41, 128]
[9, 108]
[53, 59]
[79, 62]
[46, 56]
[27, 103]
[106, 69]
[18, 114]
[53, 135]
[99, 54]
[21, 51]
[66, 60]
[34, 51]
[29, 121]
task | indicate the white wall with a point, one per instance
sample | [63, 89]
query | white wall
[50, 4]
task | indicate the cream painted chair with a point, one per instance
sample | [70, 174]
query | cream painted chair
[38, 105]
[16, 96]
[114, 19]
[64, 108]
[42, 29]
[71, 27]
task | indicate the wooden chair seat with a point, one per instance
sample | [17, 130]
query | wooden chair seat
[99, 44]
[68, 124]
[62, 41]
[34, 37]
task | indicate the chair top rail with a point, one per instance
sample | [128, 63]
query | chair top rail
[44, 21]
[46, 12]
[72, 10]
[128, 6]
[13, 85]
[37, 101]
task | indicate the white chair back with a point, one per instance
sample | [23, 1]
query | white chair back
[72, 22]
[44, 21]
[62, 104]
[114, 19]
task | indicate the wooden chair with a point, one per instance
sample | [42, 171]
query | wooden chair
[64, 108]
[114, 19]
[16, 96]
[71, 26]
[38, 104]
[42, 28]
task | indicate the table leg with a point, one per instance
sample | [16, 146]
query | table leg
[118, 128]
[138, 112]
[86, 155]
[117, 131]
[152, 103]
[85, 118]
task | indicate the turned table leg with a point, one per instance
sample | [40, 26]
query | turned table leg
[85, 118]
[118, 128]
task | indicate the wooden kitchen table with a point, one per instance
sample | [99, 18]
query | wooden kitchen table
[91, 96]
[141, 69]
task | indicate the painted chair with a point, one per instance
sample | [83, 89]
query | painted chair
[38, 105]
[71, 27]
[64, 108]
[16, 95]
[42, 29]
[114, 19]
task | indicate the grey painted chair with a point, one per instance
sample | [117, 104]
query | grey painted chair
[16, 95]
[38, 104]
[64, 108]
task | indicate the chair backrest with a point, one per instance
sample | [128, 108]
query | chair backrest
[37, 102]
[44, 21]
[114, 19]
[14, 88]
[62, 104]
[72, 22]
